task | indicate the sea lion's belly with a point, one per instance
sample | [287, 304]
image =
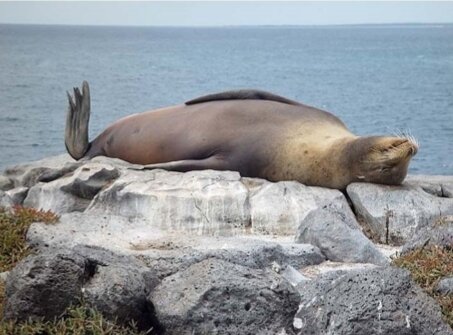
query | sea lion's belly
[257, 138]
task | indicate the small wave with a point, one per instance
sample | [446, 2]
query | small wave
[21, 86]
[9, 119]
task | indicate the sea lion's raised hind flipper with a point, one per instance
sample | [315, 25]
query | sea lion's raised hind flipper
[213, 162]
[242, 95]
[77, 119]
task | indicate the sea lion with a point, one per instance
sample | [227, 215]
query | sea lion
[256, 133]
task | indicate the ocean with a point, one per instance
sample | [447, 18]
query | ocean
[379, 79]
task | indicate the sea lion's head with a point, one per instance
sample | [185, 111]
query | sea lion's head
[382, 160]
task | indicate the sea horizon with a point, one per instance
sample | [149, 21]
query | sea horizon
[359, 25]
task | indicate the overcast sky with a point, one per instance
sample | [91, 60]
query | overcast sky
[189, 13]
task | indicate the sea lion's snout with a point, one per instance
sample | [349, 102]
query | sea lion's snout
[413, 148]
[386, 159]
[409, 146]
[401, 148]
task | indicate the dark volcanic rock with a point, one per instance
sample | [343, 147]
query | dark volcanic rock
[118, 287]
[377, 301]
[45, 285]
[218, 297]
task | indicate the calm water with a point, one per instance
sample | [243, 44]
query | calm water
[377, 79]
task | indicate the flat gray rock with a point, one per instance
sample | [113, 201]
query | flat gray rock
[217, 297]
[201, 202]
[393, 214]
[441, 186]
[376, 301]
[278, 208]
[167, 252]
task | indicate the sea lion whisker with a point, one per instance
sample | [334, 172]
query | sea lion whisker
[396, 132]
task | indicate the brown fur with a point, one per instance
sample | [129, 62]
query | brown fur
[258, 138]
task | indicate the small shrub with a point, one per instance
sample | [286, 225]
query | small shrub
[80, 320]
[13, 229]
[427, 266]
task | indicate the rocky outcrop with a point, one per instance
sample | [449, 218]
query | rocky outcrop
[212, 252]
[376, 301]
[202, 202]
[167, 253]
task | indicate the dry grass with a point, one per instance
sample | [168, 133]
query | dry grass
[428, 265]
[13, 229]
[79, 320]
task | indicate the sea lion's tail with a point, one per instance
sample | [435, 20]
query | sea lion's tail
[76, 134]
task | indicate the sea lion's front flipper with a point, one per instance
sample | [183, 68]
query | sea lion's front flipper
[214, 162]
